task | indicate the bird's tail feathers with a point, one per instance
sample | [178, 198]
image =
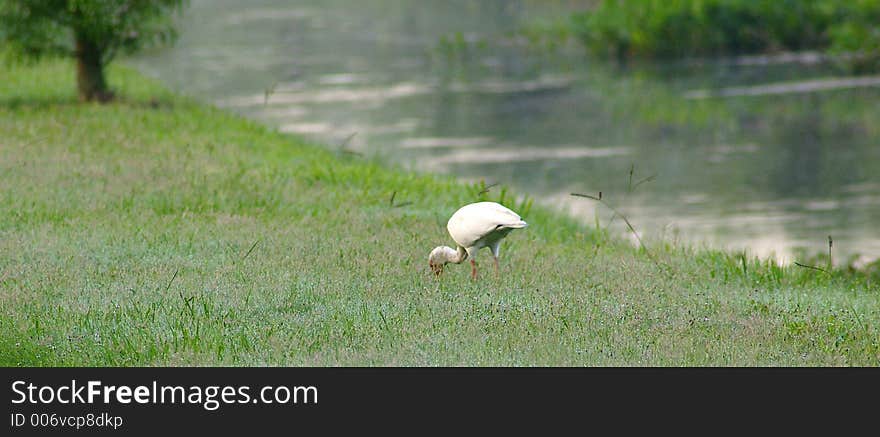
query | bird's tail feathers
[517, 225]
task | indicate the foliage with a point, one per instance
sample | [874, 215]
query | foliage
[40, 27]
[688, 28]
[858, 34]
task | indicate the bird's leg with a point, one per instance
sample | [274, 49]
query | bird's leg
[473, 269]
[495, 248]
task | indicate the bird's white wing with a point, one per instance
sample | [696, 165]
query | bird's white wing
[502, 214]
[476, 220]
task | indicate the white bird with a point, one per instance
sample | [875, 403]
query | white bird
[474, 226]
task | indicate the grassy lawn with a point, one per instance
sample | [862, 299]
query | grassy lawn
[160, 231]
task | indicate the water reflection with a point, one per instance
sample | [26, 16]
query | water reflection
[765, 155]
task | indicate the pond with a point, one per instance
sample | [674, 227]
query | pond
[769, 155]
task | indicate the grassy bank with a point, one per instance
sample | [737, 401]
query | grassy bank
[158, 231]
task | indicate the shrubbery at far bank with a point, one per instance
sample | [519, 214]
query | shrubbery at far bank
[700, 28]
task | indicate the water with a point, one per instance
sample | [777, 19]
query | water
[770, 156]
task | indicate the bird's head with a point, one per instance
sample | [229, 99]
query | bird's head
[442, 255]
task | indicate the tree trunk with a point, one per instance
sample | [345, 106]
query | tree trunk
[90, 71]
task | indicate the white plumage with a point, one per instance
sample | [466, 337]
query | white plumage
[474, 226]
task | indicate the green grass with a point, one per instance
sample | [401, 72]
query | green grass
[160, 231]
